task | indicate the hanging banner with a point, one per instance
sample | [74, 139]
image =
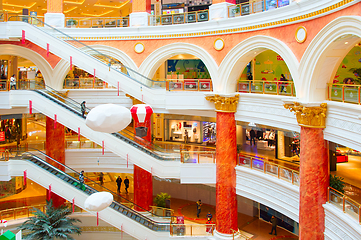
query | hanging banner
[55, 119]
[103, 147]
[79, 134]
[47, 49]
[23, 37]
[2, 136]
[71, 63]
[25, 176]
[30, 107]
[118, 89]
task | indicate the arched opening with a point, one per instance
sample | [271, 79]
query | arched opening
[266, 73]
[184, 72]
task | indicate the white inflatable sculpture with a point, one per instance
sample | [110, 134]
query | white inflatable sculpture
[98, 201]
[108, 118]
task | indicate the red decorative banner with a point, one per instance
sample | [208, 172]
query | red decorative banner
[97, 219]
[30, 107]
[47, 49]
[49, 193]
[23, 37]
[2, 136]
[25, 176]
[55, 119]
[118, 88]
[279, 58]
[78, 133]
[73, 205]
[94, 78]
[71, 63]
[103, 147]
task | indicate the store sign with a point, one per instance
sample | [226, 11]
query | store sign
[2, 136]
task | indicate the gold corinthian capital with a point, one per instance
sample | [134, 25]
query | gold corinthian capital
[224, 104]
[312, 117]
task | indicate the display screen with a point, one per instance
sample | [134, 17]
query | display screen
[209, 132]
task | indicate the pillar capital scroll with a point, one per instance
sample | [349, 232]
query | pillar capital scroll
[224, 103]
[309, 116]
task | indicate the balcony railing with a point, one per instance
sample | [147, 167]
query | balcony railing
[191, 229]
[86, 83]
[96, 22]
[189, 85]
[344, 93]
[178, 18]
[286, 88]
[345, 204]
[255, 7]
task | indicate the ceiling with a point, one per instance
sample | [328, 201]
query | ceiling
[73, 8]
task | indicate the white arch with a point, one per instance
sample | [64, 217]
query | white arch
[114, 53]
[150, 65]
[237, 59]
[36, 58]
[324, 55]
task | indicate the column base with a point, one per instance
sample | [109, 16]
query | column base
[222, 236]
[219, 11]
[56, 20]
[138, 19]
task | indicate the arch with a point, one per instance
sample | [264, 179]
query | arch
[114, 53]
[150, 65]
[237, 59]
[324, 54]
[37, 59]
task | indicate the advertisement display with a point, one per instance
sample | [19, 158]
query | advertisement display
[184, 131]
[2, 136]
[209, 133]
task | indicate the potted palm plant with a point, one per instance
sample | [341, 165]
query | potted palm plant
[162, 200]
[337, 184]
[54, 223]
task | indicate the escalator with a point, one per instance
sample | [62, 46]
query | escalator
[161, 162]
[41, 169]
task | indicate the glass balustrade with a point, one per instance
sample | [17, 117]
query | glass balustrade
[286, 88]
[346, 93]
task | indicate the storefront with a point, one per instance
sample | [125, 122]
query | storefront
[184, 131]
[12, 128]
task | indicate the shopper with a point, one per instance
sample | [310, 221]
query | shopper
[274, 225]
[83, 108]
[13, 82]
[101, 178]
[209, 216]
[283, 85]
[126, 183]
[81, 178]
[252, 135]
[119, 183]
[199, 204]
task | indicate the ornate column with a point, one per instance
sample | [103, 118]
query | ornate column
[54, 16]
[140, 12]
[55, 148]
[219, 9]
[226, 153]
[314, 169]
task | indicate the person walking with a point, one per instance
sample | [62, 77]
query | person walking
[13, 82]
[126, 183]
[252, 135]
[119, 183]
[209, 216]
[81, 178]
[274, 225]
[199, 204]
[101, 178]
[83, 109]
[283, 85]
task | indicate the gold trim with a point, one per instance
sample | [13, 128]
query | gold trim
[135, 45]
[214, 44]
[299, 40]
[224, 104]
[312, 117]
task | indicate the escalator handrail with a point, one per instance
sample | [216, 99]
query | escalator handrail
[97, 52]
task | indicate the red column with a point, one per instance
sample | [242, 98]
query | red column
[314, 180]
[55, 148]
[141, 6]
[226, 150]
[143, 189]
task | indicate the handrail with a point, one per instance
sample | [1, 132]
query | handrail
[349, 93]
[178, 18]
[166, 212]
[181, 229]
[69, 39]
[96, 22]
[238, 232]
[267, 87]
[348, 205]
[20, 210]
[253, 7]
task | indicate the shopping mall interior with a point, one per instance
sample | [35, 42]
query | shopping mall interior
[255, 111]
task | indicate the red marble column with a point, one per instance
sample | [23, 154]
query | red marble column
[141, 6]
[143, 189]
[314, 180]
[55, 148]
[226, 150]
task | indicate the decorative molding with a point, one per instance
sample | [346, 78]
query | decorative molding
[218, 44]
[309, 116]
[224, 103]
[301, 34]
[139, 47]
[99, 229]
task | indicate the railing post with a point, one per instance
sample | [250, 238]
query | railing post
[359, 96]
[293, 178]
[251, 163]
[343, 203]
[278, 173]
[328, 194]
[328, 92]
[291, 84]
[278, 92]
[359, 214]
[264, 167]
[198, 158]
[343, 93]
[191, 230]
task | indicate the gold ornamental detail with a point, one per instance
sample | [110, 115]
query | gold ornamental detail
[224, 104]
[312, 117]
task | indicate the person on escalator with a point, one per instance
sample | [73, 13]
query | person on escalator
[81, 178]
[126, 183]
[83, 108]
